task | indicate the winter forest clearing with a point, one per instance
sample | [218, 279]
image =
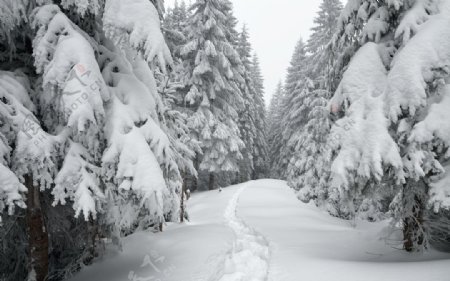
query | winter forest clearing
[136, 143]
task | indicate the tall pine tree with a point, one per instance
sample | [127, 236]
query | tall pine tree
[86, 150]
[309, 167]
[274, 128]
[261, 147]
[247, 114]
[293, 114]
[390, 95]
[213, 72]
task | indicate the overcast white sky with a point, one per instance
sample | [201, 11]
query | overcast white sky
[275, 27]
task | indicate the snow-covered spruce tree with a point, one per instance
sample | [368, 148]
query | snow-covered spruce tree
[89, 135]
[16, 112]
[240, 42]
[143, 122]
[365, 149]
[361, 21]
[70, 108]
[175, 30]
[175, 122]
[248, 112]
[364, 175]
[308, 170]
[417, 95]
[213, 73]
[260, 150]
[324, 25]
[309, 167]
[294, 112]
[174, 91]
[12, 189]
[296, 115]
[274, 128]
[412, 87]
[320, 45]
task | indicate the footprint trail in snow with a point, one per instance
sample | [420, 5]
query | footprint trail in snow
[249, 257]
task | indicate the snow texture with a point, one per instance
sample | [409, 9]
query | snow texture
[419, 62]
[305, 243]
[73, 93]
[136, 23]
[15, 113]
[137, 148]
[250, 255]
[362, 135]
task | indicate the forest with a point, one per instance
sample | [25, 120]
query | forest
[122, 121]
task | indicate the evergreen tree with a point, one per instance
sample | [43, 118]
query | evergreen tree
[359, 97]
[274, 128]
[260, 151]
[320, 44]
[416, 95]
[247, 114]
[214, 74]
[309, 167]
[294, 113]
[175, 29]
[173, 92]
[175, 123]
[87, 143]
[385, 154]
[257, 78]
[296, 70]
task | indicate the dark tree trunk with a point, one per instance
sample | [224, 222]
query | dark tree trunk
[413, 221]
[37, 232]
[413, 233]
[182, 208]
[211, 181]
[93, 236]
[183, 195]
[194, 184]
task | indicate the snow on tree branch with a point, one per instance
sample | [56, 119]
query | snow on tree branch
[136, 23]
[414, 17]
[12, 14]
[137, 148]
[418, 63]
[13, 95]
[440, 191]
[364, 140]
[74, 92]
[84, 6]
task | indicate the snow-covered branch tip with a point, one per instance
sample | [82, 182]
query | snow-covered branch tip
[136, 24]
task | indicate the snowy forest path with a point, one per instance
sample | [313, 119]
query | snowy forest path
[250, 255]
[257, 231]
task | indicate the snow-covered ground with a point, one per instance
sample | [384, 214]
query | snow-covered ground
[259, 231]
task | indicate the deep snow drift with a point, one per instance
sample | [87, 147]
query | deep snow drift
[260, 231]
